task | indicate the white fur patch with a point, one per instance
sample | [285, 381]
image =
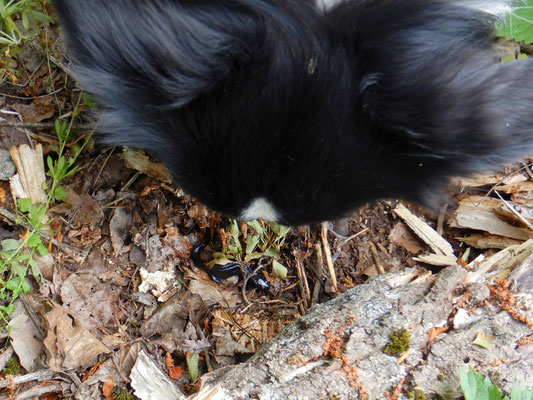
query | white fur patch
[260, 208]
[495, 7]
[325, 5]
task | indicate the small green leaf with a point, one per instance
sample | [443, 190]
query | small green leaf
[476, 387]
[35, 270]
[8, 309]
[253, 256]
[234, 230]
[192, 365]
[10, 244]
[518, 24]
[33, 240]
[482, 340]
[251, 243]
[257, 227]
[279, 269]
[59, 193]
[270, 252]
[280, 230]
[218, 259]
[25, 286]
[24, 205]
[41, 248]
[518, 393]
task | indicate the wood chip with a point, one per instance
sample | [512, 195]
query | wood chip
[438, 260]
[30, 168]
[499, 264]
[425, 232]
[479, 213]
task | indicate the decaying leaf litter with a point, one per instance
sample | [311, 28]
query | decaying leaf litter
[121, 302]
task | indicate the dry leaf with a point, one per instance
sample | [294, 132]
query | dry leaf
[23, 339]
[173, 371]
[69, 345]
[107, 389]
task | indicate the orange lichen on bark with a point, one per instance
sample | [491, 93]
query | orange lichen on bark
[499, 293]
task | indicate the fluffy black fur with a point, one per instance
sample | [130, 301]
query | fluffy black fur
[317, 112]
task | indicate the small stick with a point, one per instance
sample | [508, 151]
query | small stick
[352, 237]
[42, 375]
[304, 287]
[327, 254]
[374, 251]
[516, 213]
[42, 125]
[440, 220]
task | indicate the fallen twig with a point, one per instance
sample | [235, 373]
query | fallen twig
[327, 254]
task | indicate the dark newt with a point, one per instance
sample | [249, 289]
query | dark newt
[220, 272]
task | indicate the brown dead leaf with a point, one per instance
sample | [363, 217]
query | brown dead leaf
[434, 332]
[210, 292]
[24, 340]
[68, 344]
[107, 389]
[91, 301]
[82, 208]
[38, 110]
[400, 235]
[200, 215]
[139, 161]
[180, 243]
[173, 371]
[119, 228]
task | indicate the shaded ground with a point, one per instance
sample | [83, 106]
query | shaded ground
[126, 280]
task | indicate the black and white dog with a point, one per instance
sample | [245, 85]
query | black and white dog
[299, 111]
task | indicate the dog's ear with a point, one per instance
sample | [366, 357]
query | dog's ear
[149, 56]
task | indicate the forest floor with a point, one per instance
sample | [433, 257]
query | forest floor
[119, 276]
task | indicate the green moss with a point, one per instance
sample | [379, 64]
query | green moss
[12, 367]
[121, 393]
[399, 341]
[416, 394]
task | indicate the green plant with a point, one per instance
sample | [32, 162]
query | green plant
[477, 387]
[399, 341]
[17, 256]
[29, 11]
[518, 24]
[245, 244]
[121, 393]
[192, 360]
[12, 367]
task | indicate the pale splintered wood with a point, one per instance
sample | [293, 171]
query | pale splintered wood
[30, 169]
[481, 213]
[425, 232]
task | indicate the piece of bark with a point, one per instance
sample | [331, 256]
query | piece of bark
[425, 232]
[30, 168]
[479, 213]
[438, 260]
[487, 241]
[150, 383]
